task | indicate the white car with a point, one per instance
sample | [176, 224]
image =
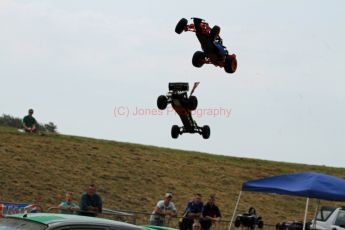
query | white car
[330, 218]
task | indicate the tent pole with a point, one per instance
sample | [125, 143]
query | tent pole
[316, 211]
[233, 215]
[305, 213]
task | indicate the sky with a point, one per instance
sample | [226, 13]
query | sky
[88, 66]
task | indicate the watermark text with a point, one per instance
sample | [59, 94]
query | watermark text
[126, 111]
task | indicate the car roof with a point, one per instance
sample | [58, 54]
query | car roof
[158, 227]
[53, 218]
[329, 208]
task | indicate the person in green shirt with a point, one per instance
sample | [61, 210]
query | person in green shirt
[67, 206]
[29, 122]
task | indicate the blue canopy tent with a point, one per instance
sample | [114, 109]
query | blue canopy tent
[307, 184]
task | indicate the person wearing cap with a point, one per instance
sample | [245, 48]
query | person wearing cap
[210, 213]
[29, 122]
[164, 208]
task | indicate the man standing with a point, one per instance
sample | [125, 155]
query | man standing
[192, 213]
[29, 122]
[210, 214]
[164, 208]
[90, 202]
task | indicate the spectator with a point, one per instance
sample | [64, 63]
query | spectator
[67, 206]
[29, 122]
[164, 208]
[192, 213]
[90, 202]
[196, 225]
[210, 214]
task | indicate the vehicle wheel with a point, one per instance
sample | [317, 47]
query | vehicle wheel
[237, 222]
[230, 64]
[162, 102]
[175, 131]
[206, 132]
[260, 224]
[181, 25]
[192, 102]
[198, 59]
[214, 33]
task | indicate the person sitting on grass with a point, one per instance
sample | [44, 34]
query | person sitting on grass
[67, 206]
[29, 122]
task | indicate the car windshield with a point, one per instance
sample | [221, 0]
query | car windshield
[340, 221]
[324, 214]
[20, 224]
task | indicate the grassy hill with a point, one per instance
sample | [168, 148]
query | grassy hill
[40, 169]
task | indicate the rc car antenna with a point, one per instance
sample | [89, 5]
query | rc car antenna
[194, 87]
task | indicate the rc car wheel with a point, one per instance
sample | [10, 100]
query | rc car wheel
[198, 59]
[230, 64]
[162, 102]
[175, 131]
[214, 33]
[181, 25]
[260, 224]
[237, 222]
[206, 132]
[192, 102]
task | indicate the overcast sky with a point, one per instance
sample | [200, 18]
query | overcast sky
[77, 62]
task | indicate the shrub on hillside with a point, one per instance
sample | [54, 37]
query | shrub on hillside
[15, 122]
[50, 127]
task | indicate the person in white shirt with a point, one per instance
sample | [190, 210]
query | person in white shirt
[164, 208]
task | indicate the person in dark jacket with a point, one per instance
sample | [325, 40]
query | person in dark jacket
[90, 202]
[210, 213]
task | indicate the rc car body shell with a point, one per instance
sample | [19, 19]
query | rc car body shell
[211, 43]
[215, 51]
[179, 102]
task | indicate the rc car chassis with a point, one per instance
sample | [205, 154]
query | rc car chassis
[211, 43]
[183, 105]
[249, 220]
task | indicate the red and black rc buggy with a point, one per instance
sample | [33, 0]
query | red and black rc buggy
[211, 43]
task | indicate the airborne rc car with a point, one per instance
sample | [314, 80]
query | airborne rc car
[183, 105]
[211, 43]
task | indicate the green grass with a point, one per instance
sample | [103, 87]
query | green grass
[40, 169]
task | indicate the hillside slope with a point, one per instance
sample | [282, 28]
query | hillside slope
[40, 169]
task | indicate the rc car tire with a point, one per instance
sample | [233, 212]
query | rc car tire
[181, 25]
[162, 102]
[175, 131]
[192, 103]
[260, 224]
[214, 32]
[230, 64]
[198, 59]
[206, 132]
[237, 222]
